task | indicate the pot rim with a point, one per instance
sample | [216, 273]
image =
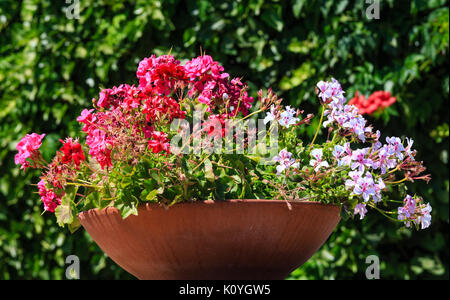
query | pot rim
[212, 202]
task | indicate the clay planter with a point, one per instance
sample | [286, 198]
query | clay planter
[235, 239]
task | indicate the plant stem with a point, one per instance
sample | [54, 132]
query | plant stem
[318, 127]
[85, 185]
[334, 138]
[248, 116]
[383, 213]
[196, 167]
[392, 171]
[396, 182]
[395, 201]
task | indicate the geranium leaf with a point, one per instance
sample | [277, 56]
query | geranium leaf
[209, 173]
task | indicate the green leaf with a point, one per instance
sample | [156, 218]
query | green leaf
[297, 7]
[303, 47]
[272, 17]
[93, 198]
[64, 214]
[299, 75]
[126, 209]
[75, 225]
[151, 196]
[209, 173]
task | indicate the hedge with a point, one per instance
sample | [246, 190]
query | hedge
[52, 65]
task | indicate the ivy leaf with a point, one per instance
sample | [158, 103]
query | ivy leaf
[151, 196]
[127, 210]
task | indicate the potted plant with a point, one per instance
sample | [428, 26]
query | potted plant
[178, 180]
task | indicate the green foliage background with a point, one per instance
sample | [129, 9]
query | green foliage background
[51, 66]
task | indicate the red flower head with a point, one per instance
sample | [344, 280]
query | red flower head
[160, 74]
[159, 143]
[50, 199]
[159, 108]
[72, 151]
[378, 100]
[215, 126]
[382, 98]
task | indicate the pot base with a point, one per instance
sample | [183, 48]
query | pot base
[235, 239]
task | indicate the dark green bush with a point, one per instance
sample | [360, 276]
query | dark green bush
[51, 66]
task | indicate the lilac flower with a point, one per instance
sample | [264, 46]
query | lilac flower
[357, 125]
[408, 149]
[360, 160]
[341, 119]
[396, 145]
[349, 119]
[270, 116]
[365, 187]
[354, 175]
[384, 162]
[288, 118]
[323, 90]
[317, 154]
[331, 91]
[346, 116]
[425, 216]
[376, 146]
[414, 211]
[337, 94]
[331, 118]
[378, 188]
[408, 208]
[360, 209]
[377, 135]
[285, 160]
[317, 162]
[347, 159]
[337, 115]
[338, 151]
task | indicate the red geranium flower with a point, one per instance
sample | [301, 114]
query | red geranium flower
[378, 100]
[159, 143]
[72, 151]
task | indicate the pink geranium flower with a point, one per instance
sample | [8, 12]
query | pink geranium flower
[28, 147]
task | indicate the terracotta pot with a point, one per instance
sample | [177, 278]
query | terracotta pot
[235, 239]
